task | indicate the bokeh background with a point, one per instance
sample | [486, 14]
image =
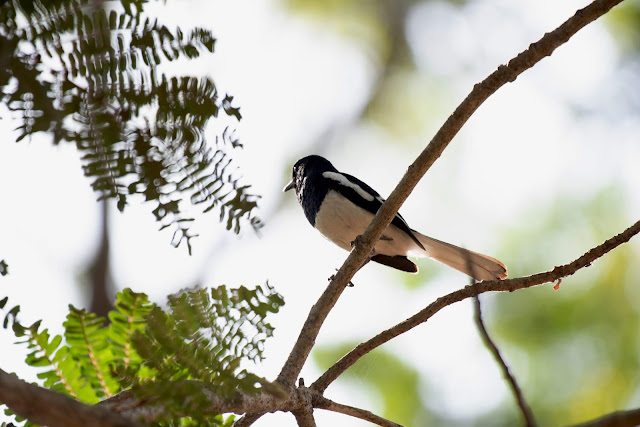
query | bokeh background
[546, 169]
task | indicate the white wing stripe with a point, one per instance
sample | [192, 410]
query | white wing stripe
[343, 180]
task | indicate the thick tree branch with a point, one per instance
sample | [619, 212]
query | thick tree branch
[629, 418]
[509, 285]
[46, 407]
[329, 405]
[54, 409]
[304, 413]
[300, 403]
[513, 384]
[149, 409]
[481, 91]
[304, 417]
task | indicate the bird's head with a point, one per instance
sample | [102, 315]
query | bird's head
[305, 167]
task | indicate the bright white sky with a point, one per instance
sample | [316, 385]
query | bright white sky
[292, 79]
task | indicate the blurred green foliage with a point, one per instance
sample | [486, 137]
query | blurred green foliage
[624, 23]
[393, 381]
[203, 335]
[90, 74]
[360, 20]
[401, 100]
[576, 349]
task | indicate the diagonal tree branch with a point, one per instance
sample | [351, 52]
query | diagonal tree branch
[300, 402]
[46, 407]
[509, 285]
[481, 91]
[513, 384]
[149, 409]
[527, 414]
[329, 405]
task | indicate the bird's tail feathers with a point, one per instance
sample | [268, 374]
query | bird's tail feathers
[473, 264]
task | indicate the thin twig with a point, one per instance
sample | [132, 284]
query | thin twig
[468, 292]
[493, 348]
[529, 420]
[491, 345]
[329, 405]
[481, 91]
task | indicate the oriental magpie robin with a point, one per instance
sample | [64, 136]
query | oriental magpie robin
[341, 207]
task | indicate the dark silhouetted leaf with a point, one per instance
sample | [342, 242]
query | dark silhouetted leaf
[89, 77]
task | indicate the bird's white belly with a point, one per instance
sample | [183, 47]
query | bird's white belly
[341, 221]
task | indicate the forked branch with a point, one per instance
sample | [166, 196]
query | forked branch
[56, 409]
[481, 91]
[509, 285]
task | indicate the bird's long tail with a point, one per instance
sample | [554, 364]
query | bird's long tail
[473, 264]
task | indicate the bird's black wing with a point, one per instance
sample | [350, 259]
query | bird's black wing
[360, 194]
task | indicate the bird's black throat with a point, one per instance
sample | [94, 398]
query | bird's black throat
[311, 186]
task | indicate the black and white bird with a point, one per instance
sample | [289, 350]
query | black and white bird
[341, 207]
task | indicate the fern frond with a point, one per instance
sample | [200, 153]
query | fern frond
[61, 370]
[63, 374]
[43, 349]
[138, 131]
[131, 309]
[205, 335]
[88, 344]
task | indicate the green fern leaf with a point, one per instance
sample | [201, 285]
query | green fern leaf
[89, 347]
[131, 308]
[61, 373]
[205, 335]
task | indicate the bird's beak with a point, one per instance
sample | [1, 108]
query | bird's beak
[289, 186]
